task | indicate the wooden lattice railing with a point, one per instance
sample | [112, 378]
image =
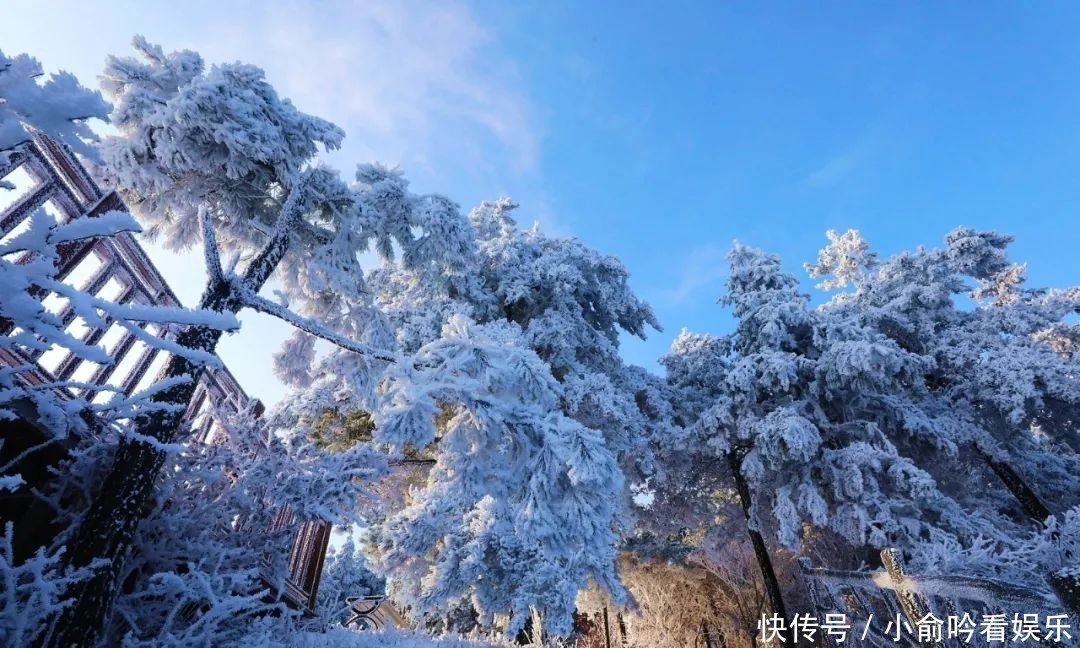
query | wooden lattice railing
[46, 176]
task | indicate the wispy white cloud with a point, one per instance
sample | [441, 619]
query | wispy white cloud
[842, 165]
[419, 84]
[424, 85]
[702, 271]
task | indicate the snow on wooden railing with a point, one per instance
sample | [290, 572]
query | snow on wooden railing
[43, 175]
[873, 600]
[115, 269]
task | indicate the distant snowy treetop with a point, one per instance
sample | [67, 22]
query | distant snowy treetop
[191, 136]
[56, 105]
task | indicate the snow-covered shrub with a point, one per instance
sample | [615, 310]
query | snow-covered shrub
[206, 564]
[33, 590]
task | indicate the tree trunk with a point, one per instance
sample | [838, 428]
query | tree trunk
[1028, 498]
[126, 494]
[761, 552]
[1066, 582]
[107, 529]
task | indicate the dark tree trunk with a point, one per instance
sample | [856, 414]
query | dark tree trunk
[126, 494]
[1067, 585]
[761, 552]
[1028, 498]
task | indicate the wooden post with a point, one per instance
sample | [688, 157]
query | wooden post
[607, 630]
[624, 640]
[913, 604]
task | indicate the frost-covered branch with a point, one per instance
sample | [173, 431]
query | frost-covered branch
[44, 233]
[263, 305]
[33, 590]
[28, 451]
[266, 261]
[126, 314]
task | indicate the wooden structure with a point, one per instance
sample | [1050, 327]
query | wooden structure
[305, 558]
[373, 612]
[46, 176]
[869, 601]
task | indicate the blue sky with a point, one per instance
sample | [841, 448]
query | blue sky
[661, 134]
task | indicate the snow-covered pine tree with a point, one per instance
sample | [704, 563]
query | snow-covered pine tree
[182, 556]
[567, 305]
[1003, 366]
[424, 235]
[1000, 362]
[518, 512]
[804, 407]
[572, 303]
